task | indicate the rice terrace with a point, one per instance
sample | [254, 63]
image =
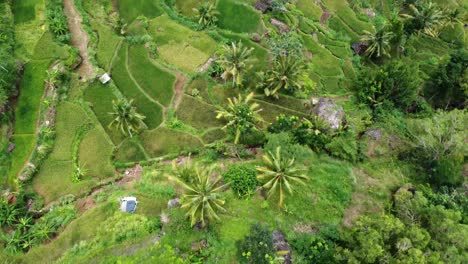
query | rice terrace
[233, 131]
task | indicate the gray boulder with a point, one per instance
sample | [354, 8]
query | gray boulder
[173, 203]
[330, 112]
[282, 27]
[281, 245]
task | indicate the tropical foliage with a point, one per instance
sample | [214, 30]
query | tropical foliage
[203, 196]
[206, 14]
[279, 175]
[234, 60]
[126, 118]
[378, 43]
[425, 17]
[288, 74]
[242, 116]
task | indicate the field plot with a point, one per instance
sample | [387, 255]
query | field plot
[197, 114]
[177, 43]
[107, 44]
[146, 105]
[162, 141]
[185, 7]
[230, 11]
[131, 9]
[156, 82]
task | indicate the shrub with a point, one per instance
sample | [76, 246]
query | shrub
[257, 247]
[447, 87]
[344, 146]
[242, 179]
[314, 249]
[290, 149]
[57, 20]
[397, 82]
[448, 171]
[124, 226]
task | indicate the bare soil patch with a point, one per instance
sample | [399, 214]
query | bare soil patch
[79, 38]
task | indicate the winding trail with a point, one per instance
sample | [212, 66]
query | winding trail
[79, 38]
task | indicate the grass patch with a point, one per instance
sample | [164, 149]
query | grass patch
[131, 9]
[271, 111]
[310, 9]
[201, 85]
[163, 141]
[197, 114]
[23, 147]
[32, 87]
[129, 151]
[213, 135]
[156, 82]
[229, 18]
[107, 43]
[25, 10]
[69, 118]
[54, 180]
[95, 154]
[127, 86]
[47, 48]
[185, 7]
[177, 43]
[325, 64]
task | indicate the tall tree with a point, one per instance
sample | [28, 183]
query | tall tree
[424, 17]
[279, 175]
[234, 61]
[203, 196]
[126, 118]
[242, 116]
[206, 14]
[378, 43]
[287, 74]
[448, 86]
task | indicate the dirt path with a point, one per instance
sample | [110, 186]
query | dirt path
[79, 38]
[181, 81]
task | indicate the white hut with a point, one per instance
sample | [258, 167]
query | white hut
[105, 78]
[128, 204]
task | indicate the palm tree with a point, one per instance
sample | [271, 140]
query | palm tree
[206, 14]
[287, 73]
[453, 17]
[234, 61]
[378, 43]
[203, 197]
[126, 118]
[242, 117]
[425, 17]
[278, 174]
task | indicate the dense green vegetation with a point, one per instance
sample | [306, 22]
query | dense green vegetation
[269, 131]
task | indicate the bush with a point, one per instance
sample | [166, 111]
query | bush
[447, 87]
[344, 146]
[57, 20]
[242, 179]
[257, 247]
[124, 226]
[397, 82]
[314, 249]
[289, 148]
[314, 132]
[448, 171]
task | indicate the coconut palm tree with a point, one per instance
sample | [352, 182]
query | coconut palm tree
[425, 17]
[126, 118]
[279, 175]
[203, 196]
[241, 115]
[206, 14]
[234, 61]
[378, 43]
[287, 73]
